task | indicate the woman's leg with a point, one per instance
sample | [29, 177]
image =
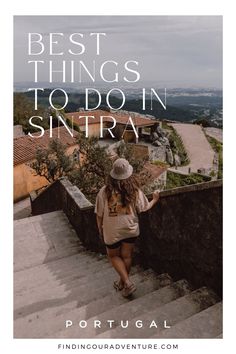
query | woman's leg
[118, 264]
[126, 254]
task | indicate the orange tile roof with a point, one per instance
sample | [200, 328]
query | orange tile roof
[121, 118]
[25, 147]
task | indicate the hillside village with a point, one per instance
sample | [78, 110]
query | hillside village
[170, 148]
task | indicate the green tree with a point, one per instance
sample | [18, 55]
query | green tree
[96, 164]
[218, 148]
[177, 146]
[52, 163]
[127, 151]
[24, 110]
[203, 122]
[91, 173]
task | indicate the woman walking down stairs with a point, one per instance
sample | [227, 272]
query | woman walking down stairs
[61, 290]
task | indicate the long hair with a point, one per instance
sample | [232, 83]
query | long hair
[128, 189]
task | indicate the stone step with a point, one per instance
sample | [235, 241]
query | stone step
[44, 239]
[44, 321]
[172, 313]
[126, 311]
[30, 230]
[58, 240]
[47, 270]
[78, 274]
[58, 214]
[33, 301]
[38, 225]
[75, 278]
[205, 324]
[21, 262]
[56, 290]
[57, 272]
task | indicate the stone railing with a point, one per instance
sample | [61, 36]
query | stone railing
[62, 195]
[181, 235]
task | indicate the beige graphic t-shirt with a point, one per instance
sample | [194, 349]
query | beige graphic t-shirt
[119, 222]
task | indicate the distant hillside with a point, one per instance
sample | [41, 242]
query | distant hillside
[178, 108]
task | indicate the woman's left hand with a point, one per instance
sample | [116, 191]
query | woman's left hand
[156, 195]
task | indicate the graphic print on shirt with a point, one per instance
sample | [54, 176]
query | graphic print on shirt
[115, 206]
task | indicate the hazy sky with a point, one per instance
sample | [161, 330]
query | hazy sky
[172, 51]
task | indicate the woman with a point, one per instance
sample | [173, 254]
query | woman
[117, 205]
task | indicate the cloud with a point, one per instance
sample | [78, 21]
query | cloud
[166, 46]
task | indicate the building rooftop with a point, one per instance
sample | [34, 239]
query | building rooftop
[121, 118]
[18, 131]
[25, 147]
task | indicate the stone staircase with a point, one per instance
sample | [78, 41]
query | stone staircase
[57, 280]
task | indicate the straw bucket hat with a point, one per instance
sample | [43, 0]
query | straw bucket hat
[121, 169]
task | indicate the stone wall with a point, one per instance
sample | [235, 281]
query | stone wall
[181, 235]
[50, 199]
[62, 195]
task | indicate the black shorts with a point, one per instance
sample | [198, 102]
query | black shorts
[119, 243]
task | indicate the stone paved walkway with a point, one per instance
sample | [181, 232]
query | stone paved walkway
[199, 150]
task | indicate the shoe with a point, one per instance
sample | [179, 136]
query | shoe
[117, 285]
[128, 290]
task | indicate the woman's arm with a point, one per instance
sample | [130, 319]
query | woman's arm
[155, 198]
[143, 204]
[99, 224]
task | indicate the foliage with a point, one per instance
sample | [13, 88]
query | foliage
[203, 122]
[52, 163]
[93, 168]
[73, 126]
[165, 126]
[89, 174]
[96, 164]
[177, 180]
[126, 151]
[24, 110]
[212, 173]
[217, 146]
[177, 147]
